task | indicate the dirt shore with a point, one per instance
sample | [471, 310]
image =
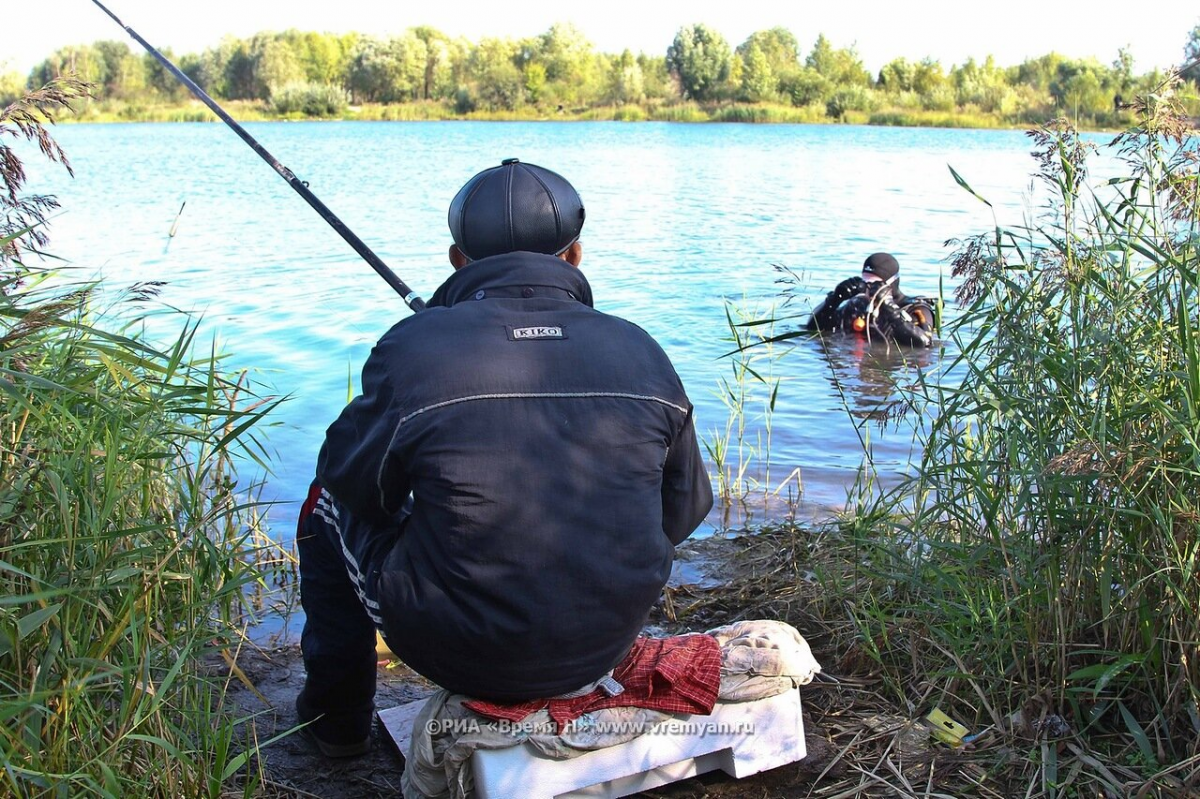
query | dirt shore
[708, 589]
[295, 769]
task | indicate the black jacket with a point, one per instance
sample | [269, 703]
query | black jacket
[553, 463]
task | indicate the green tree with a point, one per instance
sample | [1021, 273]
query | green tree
[984, 86]
[498, 83]
[12, 85]
[758, 79]
[460, 62]
[249, 69]
[388, 70]
[841, 67]
[928, 77]
[124, 73]
[1039, 72]
[849, 98]
[896, 76]
[322, 56]
[806, 87]
[109, 67]
[84, 62]
[569, 58]
[535, 80]
[440, 57]
[276, 64]
[656, 77]
[627, 83]
[161, 82]
[700, 58]
[239, 79]
[1123, 78]
[1079, 88]
[211, 69]
[189, 64]
[778, 45]
[782, 53]
[932, 86]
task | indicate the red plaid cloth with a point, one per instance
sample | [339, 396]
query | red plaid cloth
[681, 674]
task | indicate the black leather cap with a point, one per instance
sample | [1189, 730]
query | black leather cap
[514, 207]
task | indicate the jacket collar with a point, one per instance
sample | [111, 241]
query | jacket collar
[508, 274]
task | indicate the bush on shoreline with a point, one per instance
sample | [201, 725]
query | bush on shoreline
[307, 100]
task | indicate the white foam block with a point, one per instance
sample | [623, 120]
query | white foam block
[739, 738]
[398, 721]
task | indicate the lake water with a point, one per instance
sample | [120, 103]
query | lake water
[681, 219]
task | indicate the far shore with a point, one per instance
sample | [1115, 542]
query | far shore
[758, 113]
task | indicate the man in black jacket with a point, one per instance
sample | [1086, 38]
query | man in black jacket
[874, 304]
[504, 499]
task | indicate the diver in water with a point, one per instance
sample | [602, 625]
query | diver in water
[873, 305]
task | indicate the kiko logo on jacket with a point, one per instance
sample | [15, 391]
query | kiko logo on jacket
[533, 333]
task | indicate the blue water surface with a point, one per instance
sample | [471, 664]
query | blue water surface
[681, 219]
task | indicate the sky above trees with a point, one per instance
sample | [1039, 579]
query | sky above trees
[881, 30]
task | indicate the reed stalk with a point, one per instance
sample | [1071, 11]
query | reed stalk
[740, 450]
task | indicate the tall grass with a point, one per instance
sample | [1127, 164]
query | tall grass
[619, 113]
[306, 99]
[770, 113]
[1045, 583]
[126, 546]
[399, 112]
[740, 450]
[918, 118]
[189, 111]
[679, 112]
[309, 103]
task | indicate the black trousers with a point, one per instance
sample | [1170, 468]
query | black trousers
[340, 559]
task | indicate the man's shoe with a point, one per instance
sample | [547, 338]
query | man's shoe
[340, 736]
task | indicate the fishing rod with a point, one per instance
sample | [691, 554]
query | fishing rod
[408, 295]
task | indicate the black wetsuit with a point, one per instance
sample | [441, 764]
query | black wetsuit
[875, 309]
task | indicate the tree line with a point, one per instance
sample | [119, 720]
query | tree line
[561, 71]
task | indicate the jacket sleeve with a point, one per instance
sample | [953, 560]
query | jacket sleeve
[825, 317]
[355, 463]
[686, 490]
